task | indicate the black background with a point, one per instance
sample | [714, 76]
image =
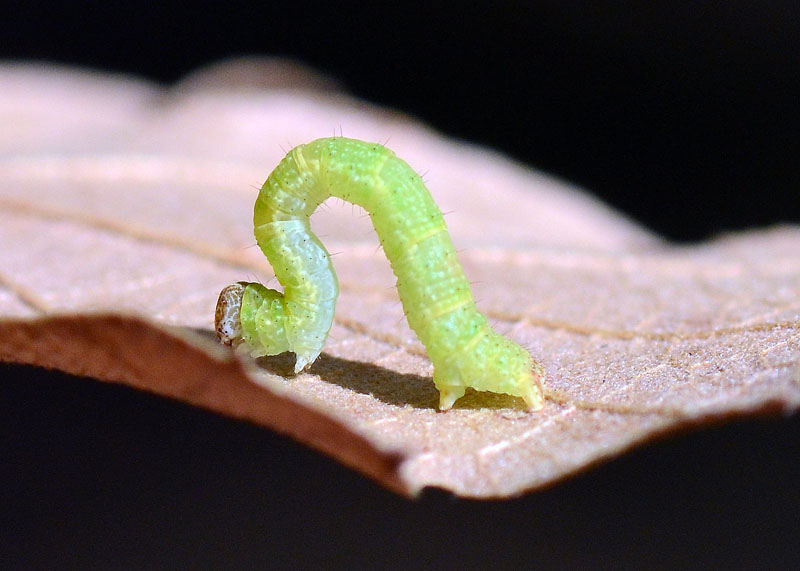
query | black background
[683, 115]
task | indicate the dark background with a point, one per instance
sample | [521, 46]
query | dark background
[682, 115]
[105, 477]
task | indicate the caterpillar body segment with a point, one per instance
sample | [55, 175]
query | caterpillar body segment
[433, 289]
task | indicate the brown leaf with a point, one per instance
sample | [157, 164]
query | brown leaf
[124, 209]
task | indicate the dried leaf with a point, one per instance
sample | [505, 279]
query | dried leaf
[124, 209]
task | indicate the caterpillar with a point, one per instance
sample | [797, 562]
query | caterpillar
[436, 296]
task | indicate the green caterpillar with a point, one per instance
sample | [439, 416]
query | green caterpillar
[436, 295]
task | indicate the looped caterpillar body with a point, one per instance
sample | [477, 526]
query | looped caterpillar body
[434, 291]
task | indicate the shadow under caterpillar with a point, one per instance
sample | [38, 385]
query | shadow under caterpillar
[436, 296]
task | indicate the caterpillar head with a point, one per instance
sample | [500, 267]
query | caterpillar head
[227, 320]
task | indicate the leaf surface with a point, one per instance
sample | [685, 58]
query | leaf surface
[125, 208]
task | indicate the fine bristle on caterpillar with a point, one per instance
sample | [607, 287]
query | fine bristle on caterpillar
[433, 289]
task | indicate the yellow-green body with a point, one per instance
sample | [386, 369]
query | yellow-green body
[434, 291]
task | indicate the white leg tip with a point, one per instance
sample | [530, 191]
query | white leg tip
[449, 395]
[304, 362]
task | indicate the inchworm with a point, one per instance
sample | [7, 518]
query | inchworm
[433, 289]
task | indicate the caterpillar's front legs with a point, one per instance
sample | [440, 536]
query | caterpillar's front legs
[253, 316]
